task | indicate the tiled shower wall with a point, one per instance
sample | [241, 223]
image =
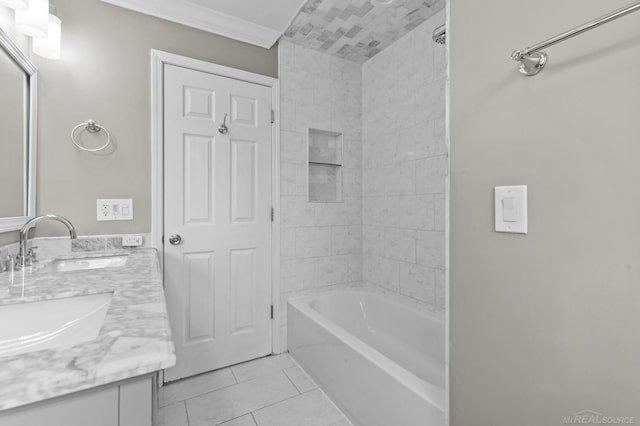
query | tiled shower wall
[321, 242]
[405, 167]
[389, 231]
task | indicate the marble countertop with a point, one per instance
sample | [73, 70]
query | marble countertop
[135, 338]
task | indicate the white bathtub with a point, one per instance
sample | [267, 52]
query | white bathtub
[381, 362]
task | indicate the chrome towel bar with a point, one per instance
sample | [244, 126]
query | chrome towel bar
[532, 60]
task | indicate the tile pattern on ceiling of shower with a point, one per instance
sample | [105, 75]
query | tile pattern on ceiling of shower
[357, 30]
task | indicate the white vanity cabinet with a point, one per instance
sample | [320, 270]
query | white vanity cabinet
[126, 403]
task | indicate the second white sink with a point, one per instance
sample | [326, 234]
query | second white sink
[47, 324]
[86, 263]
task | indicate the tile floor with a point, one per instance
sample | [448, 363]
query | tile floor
[271, 391]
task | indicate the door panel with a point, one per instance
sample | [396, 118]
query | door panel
[217, 197]
[243, 278]
[199, 192]
[200, 271]
[243, 181]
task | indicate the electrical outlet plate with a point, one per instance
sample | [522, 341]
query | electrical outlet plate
[132, 240]
[114, 209]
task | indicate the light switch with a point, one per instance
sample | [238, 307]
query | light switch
[511, 209]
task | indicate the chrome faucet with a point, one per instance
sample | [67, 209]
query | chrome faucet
[25, 256]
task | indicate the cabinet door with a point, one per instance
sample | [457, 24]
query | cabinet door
[136, 403]
[93, 407]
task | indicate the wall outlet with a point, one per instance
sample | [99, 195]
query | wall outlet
[114, 209]
[132, 240]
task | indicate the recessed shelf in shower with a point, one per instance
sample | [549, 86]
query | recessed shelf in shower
[325, 166]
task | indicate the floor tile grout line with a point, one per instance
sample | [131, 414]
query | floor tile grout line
[252, 413]
[291, 397]
[186, 412]
[230, 385]
[291, 381]
[201, 394]
[236, 418]
[249, 412]
[234, 375]
[263, 373]
[295, 396]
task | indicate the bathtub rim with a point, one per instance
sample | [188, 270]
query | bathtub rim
[431, 393]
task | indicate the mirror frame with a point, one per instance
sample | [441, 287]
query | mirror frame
[8, 224]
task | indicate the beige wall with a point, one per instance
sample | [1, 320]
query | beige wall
[104, 75]
[547, 324]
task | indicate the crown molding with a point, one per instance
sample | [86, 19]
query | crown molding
[203, 18]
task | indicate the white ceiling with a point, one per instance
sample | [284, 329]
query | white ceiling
[256, 22]
[275, 14]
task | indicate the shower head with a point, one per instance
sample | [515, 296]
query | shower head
[440, 34]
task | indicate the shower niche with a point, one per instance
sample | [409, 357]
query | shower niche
[325, 166]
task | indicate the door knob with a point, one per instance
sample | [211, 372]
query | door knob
[175, 239]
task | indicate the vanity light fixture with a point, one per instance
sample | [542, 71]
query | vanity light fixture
[34, 21]
[50, 46]
[16, 4]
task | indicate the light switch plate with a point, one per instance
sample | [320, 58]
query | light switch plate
[114, 209]
[511, 209]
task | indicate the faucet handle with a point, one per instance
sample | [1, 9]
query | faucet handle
[32, 254]
[7, 263]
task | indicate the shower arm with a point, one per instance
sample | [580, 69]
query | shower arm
[532, 60]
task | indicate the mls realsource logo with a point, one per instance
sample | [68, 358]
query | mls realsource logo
[588, 417]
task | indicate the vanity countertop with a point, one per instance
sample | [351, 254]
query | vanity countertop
[135, 338]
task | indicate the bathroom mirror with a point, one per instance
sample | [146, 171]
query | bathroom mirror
[18, 108]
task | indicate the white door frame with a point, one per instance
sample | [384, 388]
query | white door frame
[158, 59]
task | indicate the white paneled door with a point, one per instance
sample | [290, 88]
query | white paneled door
[217, 219]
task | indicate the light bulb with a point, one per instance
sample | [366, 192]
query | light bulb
[50, 47]
[34, 21]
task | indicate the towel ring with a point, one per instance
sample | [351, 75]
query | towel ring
[91, 127]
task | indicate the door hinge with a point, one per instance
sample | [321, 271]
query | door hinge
[271, 311]
[162, 239]
[273, 117]
[273, 214]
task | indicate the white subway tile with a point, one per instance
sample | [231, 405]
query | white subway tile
[312, 61]
[322, 89]
[331, 270]
[430, 249]
[431, 174]
[401, 178]
[430, 101]
[373, 240]
[309, 115]
[441, 292]
[287, 114]
[313, 242]
[440, 212]
[417, 282]
[288, 243]
[400, 244]
[346, 239]
[297, 274]
[293, 147]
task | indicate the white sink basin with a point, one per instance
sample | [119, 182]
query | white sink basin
[47, 324]
[86, 263]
